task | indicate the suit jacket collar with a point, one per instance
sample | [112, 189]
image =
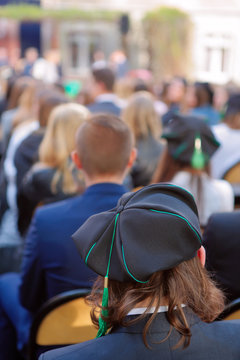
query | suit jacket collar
[159, 325]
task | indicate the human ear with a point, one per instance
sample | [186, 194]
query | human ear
[76, 159]
[202, 255]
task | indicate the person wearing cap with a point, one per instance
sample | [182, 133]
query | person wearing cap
[51, 263]
[228, 134]
[156, 299]
[185, 162]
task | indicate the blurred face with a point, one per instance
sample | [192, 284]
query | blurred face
[190, 97]
[175, 91]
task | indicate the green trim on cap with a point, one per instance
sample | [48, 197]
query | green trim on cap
[86, 259]
[180, 150]
[124, 260]
[181, 217]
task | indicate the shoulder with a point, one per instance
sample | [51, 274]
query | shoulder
[101, 348]
[57, 208]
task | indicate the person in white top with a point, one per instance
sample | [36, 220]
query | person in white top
[190, 145]
[228, 134]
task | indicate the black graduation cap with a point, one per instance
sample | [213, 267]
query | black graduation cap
[155, 228]
[190, 140]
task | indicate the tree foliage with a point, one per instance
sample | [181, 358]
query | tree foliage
[168, 33]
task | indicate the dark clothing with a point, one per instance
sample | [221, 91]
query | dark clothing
[149, 152]
[221, 241]
[36, 189]
[27, 154]
[51, 263]
[104, 107]
[215, 341]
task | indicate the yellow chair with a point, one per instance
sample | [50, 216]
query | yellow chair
[63, 320]
[231, 311]
[233, 177]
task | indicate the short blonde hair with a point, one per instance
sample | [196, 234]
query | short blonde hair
[141, 116]
[59, 141]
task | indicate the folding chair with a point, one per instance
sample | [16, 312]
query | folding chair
[233, 177]
[231, 311]
[63, 320]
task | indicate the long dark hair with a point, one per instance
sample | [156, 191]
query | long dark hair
[187, 283]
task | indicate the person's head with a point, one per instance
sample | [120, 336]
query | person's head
[17, 89]
[203, 94]
[31, 55]
[190, 145]
[59, 141]
[176, 90]
[141, 116]
[104, 148]
[48, 99]
[232, 115]
[149, 248]
[102, 81]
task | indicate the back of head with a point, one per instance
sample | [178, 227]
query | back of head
[147, 247]
[232, 116]
[104, 144]
[59, 138]
[104, 76]
[204, 93]
[17, 90]
[48, 100]
[141, 116]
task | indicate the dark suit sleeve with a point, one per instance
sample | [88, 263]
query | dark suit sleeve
[32, 287]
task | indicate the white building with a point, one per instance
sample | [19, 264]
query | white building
[215, 38]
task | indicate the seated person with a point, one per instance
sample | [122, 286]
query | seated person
[190, 146]
[51, 264]
[228, 134]
[54, 177]
[157, 299]
[221, 241]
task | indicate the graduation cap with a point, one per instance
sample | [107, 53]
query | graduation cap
[153, 229]
[190, 140]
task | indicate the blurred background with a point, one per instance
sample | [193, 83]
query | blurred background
[197, 39]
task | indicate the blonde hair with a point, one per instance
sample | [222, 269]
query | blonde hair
[141, 116]
[59, 142]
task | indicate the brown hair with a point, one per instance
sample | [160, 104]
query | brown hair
[188, 283]
[17, 90]
[48, 100]
[141, 116]
[168, 167]
[104, 144]
[105, 76]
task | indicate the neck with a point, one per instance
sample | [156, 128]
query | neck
[103, 179]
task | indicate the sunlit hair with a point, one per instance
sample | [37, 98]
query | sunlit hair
[27, 104]
[141, 116]
[59, 142]
[188, 283]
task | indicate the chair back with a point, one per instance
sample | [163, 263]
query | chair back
[63, 320]
[231, 311]
[233, 177]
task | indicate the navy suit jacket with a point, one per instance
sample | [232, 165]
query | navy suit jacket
[221, 240]
[104, 107]
[51, 263]
[215, 341]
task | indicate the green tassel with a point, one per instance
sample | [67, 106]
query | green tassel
[198, 159]
[102, 324]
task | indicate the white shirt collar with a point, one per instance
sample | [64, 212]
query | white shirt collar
[138, 311]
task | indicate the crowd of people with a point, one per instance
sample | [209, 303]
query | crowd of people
[163, 150]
